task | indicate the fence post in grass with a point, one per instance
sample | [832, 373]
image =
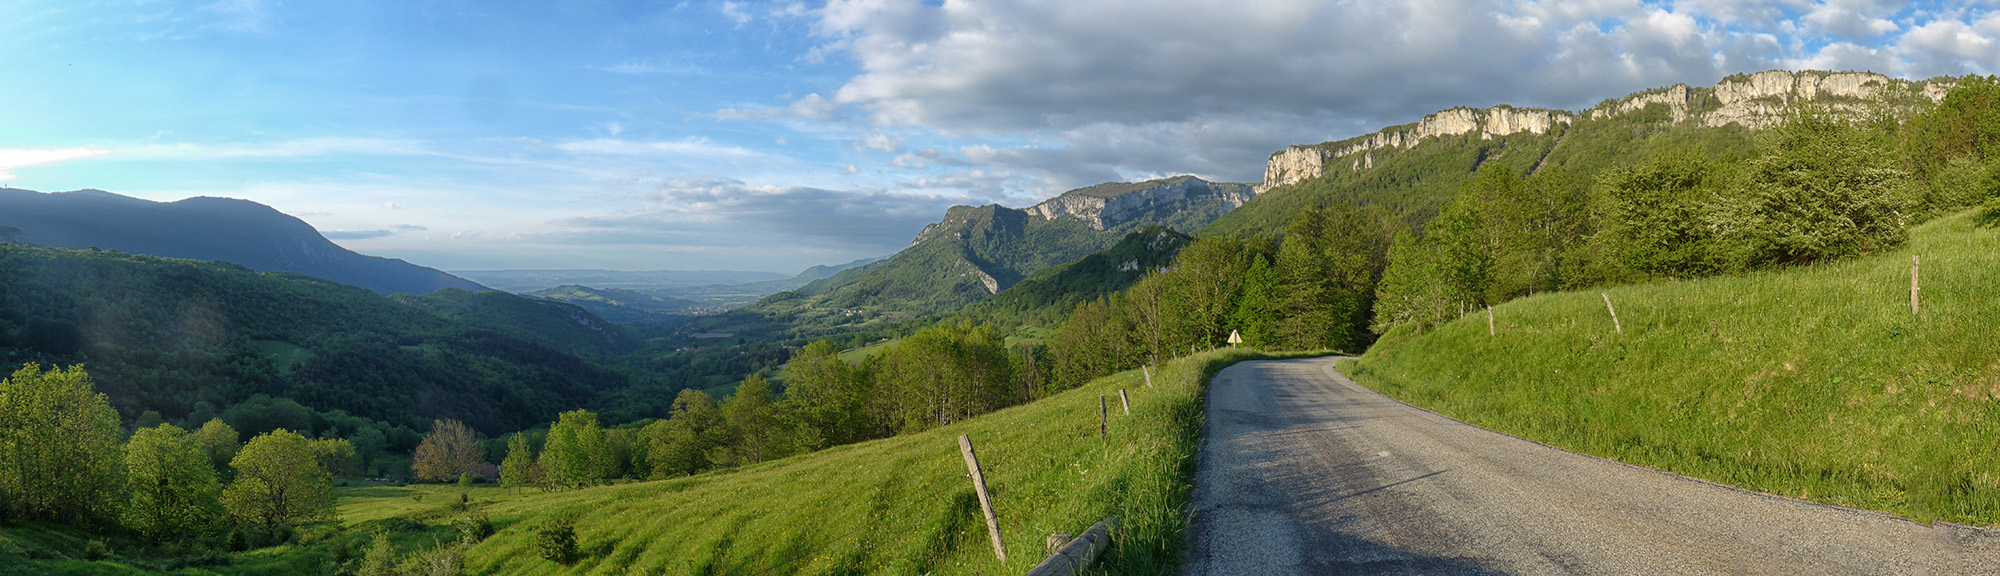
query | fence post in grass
[985, 501]
[1489, 321]
[1126, 402]
[1148, 370]
[1913, 284]
[1614, 313]
[1103, 415]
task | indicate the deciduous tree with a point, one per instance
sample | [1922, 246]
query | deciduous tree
[59, 453]
[279, 480]
[173, 488]
[449, 450]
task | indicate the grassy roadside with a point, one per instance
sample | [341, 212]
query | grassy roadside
[894, 506]
[1814, 382]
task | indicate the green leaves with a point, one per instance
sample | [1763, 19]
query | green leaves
[279, 480]
[172, 486]
[59, 453]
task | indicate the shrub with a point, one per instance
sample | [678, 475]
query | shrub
[96, 550]
[557, 539]
[472, 528]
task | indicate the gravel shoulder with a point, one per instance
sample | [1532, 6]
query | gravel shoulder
[1303, 471]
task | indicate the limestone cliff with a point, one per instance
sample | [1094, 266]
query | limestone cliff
[1108, 205]
[1751, 100]
[1299, 163]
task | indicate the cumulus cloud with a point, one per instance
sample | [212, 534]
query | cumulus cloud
[1122, 88]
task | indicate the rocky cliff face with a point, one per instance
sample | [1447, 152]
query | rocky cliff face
[1299, 163]
[1753, 101]
[1101, 211]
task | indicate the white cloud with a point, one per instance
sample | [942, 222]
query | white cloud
[14, 158]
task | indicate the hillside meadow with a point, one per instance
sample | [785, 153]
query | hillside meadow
[1815, 382]
[901, 505]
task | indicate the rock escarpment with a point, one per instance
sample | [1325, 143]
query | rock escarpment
[1108, 205]
[1753, 101]
[1299, 163]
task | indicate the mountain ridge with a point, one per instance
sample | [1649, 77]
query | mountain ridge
[207, 228]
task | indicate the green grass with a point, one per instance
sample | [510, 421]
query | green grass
[895, 506]
[1812, 382]
[902, 505]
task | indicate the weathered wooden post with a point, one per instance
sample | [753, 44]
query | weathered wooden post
[1075, 557]
[1614, 313]
[1103, 415]
[1148, 370]
[1489, 321]
[1913, 284]
[985, 501]
[1127, 402]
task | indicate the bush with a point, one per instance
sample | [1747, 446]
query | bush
[557, 539]
[472, 528]
[238, 542]
[96, 550]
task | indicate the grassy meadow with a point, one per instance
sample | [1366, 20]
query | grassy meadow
[900, 505]
[1815, 382]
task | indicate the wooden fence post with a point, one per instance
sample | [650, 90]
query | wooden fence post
[1103, 414]
[1076, 557]
[1149, 375]
[1127, 402]
[985, 501]
[1614, 313]
[1489, 321]
[1913, 284]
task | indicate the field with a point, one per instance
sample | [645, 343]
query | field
[896, 506]
[1815, 382]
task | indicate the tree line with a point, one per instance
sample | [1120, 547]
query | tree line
[65, 459]
[1818, 186]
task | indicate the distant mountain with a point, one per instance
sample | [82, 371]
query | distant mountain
[653, 295]
[184, 337]
[522, 281]
[204, 228]
[1048, 296]
[976, 252]
[618, 305]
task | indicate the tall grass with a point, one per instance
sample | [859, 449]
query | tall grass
[902, 505]
[1814, 382]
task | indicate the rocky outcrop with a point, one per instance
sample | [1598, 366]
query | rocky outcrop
[1300, 163]
[1753, 101]
[1101, 210]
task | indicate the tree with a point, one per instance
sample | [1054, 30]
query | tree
[826, 394]
[1257, 308]
[576, 453]
[1823, 189]
[59, 454]
[1658, 218]
[681, 444]
[219, 442]
[518, 468]
[751, 427]
[172, 487]
[449, 450]
[381, 557]
[1329, 265]
[279, 480]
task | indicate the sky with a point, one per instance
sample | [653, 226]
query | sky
[682, 135]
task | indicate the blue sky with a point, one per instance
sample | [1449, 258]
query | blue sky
[778, 135]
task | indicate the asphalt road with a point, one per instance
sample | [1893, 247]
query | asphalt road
[1305, 472]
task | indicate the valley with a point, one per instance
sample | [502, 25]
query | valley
[1753, 235]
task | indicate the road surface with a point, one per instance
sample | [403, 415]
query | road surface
[1305, 472]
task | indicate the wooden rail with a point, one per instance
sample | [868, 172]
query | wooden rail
[1075, 557]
